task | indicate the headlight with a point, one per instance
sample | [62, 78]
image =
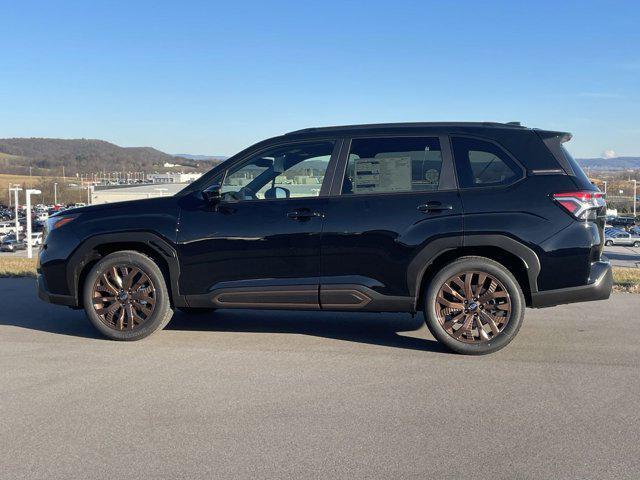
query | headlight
[56, 222]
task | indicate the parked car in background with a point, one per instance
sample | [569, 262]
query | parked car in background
[621, 238]
[36, 239]
[13, 245]
[635, 230]
[6, 214]
[7, 236]
[622, 222]
[8, 227]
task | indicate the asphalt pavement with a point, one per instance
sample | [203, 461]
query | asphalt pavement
[621, 256]
[241, 394]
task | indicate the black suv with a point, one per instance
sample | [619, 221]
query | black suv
[467, 222]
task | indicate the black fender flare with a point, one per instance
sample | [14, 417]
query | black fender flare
[434, 249]
[85, 253]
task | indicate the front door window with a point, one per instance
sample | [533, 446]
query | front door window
[292, 171]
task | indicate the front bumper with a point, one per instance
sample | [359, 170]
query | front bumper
[598, 288]
[44, 294]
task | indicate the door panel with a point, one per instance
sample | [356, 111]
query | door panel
[259, 245]
[249, 246]
[372, 241]
[393, 203]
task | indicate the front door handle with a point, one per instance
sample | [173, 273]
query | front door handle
[434, 207]
[303, 215]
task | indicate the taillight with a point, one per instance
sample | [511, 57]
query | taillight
[583, 205]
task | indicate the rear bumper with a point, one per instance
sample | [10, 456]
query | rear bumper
[44, 294]
[598, 288]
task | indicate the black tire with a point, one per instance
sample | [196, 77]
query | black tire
[500, 273]
[636, 244]
[162, 311]
[608, 243]
[195, 310]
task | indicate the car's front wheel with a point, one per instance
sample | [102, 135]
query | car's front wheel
[636, 244]
[474, 306]
[125, 296]
[608, 243]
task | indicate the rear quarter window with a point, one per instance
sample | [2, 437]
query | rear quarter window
[482, 163]
[575, 166]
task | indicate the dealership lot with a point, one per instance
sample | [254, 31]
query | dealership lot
[317, 395]
[623, 256]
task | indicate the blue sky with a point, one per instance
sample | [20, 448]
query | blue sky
[213, 77]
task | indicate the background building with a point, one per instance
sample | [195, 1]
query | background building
[173, 177]
[134, 192]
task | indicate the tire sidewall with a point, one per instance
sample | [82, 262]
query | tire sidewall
[476, 264]
[162, 312]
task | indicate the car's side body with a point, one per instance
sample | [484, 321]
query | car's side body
[366, 252]
[13, 245]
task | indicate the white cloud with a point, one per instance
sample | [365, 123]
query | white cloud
[609, 154]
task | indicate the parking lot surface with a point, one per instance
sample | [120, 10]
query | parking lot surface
[623, 256]
[241, 394]
[19, 253]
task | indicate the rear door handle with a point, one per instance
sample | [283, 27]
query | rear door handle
[434, 207]
[303, 215]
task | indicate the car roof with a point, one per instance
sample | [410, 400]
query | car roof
[405, 126]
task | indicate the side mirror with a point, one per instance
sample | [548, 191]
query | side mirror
[212, 194]
[277, 192]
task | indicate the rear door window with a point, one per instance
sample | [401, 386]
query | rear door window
[393, 164]
[483, 164]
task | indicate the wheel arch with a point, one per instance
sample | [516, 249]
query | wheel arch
[516, 257]
[96, 247]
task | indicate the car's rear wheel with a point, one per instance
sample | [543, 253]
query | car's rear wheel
[474, 306]
[125, 296]
[636, 244]
[608, 243]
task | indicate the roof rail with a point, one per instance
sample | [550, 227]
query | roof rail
[405, 125]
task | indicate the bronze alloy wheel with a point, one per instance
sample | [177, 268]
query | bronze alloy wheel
[473, 307]
[124, 297]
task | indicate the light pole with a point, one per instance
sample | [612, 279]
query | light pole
[15, 191]
[605, 187]
[55, 193]
[635, 195]
[28, 194]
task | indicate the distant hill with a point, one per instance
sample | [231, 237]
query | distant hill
[616, 163]
[46, 155]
